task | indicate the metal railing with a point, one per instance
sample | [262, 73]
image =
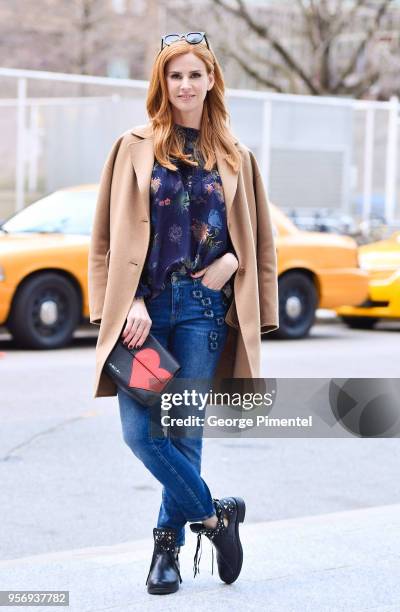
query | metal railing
[313, 152]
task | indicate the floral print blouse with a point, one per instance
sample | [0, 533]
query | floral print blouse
[188, 220]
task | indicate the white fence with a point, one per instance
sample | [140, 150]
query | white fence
[329, 153]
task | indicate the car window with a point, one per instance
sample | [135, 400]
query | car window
[65, 212]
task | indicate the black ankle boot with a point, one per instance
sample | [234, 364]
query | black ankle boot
[225, 539]
[164, 575]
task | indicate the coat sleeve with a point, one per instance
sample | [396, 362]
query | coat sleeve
[266, 256]
[100, 240]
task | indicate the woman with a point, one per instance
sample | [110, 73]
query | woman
[181, 208]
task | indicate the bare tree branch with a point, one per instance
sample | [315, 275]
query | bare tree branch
[345, 20]
[323, 22]
[252, 72]
[309, 24]
[359, 50]
[277, 67]
[265, 33]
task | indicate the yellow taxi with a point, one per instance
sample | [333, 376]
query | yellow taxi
[315, 270]
[381, 260]
[43, 270]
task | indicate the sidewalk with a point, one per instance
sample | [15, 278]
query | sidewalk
[345, 561]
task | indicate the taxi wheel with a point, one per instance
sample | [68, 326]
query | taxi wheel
[298, 301]
[45, 312]
[359, 322]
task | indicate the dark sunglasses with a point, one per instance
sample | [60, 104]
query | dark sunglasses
[194, 38]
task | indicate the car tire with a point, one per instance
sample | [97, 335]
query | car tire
[298, 301]
[45, 312]
[359, 322]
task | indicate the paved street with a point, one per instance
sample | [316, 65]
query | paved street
[70, 483]
[335, 351]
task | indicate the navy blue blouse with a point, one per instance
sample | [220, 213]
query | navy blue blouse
[188, 220]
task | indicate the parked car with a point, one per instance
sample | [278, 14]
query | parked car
[381, 260]
[316, 270]
[43, 270]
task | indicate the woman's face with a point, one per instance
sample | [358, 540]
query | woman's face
[188, 83]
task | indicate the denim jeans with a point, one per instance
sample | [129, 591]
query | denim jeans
[188, 319]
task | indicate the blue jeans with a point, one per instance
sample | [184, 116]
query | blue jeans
[188, 319]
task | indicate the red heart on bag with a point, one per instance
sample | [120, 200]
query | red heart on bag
[146, 373]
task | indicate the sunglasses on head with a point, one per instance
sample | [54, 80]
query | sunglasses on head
[194, 38]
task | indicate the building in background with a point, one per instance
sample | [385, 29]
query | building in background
[119, 38]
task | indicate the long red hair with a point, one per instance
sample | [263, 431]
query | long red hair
[214, 129]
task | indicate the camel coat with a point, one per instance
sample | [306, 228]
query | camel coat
[121, 236]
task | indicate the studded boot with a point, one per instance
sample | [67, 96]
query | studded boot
[225, 539]
[164, 575]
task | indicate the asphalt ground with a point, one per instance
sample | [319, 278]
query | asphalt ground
[70, 483]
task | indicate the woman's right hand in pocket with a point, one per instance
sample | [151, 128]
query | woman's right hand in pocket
[138, 324]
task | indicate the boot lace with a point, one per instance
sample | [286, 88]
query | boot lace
[211, 533]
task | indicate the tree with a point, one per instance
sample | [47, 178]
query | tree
[329, 51]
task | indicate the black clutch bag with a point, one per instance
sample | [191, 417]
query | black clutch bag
[144, 373]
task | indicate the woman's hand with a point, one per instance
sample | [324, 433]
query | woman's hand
[138, 324]
[218, 272]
